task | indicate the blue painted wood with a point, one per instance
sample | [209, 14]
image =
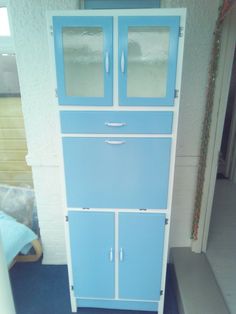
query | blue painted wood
[106, 23]
[141, 237]
[118, 304]
[91, 238]
[134, 174]
[151, 122]
[172, 22]
[121, 4]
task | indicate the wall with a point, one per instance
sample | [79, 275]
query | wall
[41, 120]
[201, 17]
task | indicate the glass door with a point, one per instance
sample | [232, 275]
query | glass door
[148, 49]
[83, 51]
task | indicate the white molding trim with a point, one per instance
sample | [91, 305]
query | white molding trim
[228, 42]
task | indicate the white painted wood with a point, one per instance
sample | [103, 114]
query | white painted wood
[6, 300]
[115, 108]
[172, 160]
[115, 63]
[220, 103]
[124, 12]
[116, 255]
[118, 135]
[115, 210]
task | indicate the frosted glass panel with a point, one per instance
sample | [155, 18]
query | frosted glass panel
[83, 61]
[147, 68]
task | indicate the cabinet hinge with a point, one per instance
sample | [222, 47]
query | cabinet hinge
[66, 218]
[176, 93]
[72, 287]
[181, 31]
[51, 30]
[56, 92]
[166, 221]
[161, 292]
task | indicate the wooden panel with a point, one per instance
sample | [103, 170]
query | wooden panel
[15, 176]
[12, 144]
[10, 107]
[12, 133]
[11, 123]
[13, 148]
[14, 165]
[13, 155]
[20, 183]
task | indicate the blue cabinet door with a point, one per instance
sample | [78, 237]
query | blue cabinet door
[92, 250]
[148, 47]
[141, 238]
[117, 172]
[84, 67]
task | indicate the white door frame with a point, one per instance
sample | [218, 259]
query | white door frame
[228, 41]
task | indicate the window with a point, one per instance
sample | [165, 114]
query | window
[4, 24]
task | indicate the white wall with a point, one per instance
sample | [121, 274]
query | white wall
[201, 17]
[40, 113]
[41, 120]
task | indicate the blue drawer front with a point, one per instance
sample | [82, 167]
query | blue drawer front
[141, 266]
[117, 172]
[116, 122]
[91, 240]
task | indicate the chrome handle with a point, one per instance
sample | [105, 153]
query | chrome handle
[122, 62]
[115, 124]
[111, 255]
[107, 62]
[115, 142]
[121, 254]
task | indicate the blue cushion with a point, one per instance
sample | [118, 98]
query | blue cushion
[16, 237]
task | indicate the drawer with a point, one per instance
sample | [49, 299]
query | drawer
[116, 122]
[124, 173]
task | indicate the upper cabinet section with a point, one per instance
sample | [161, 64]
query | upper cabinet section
[148, 47]
[83, 52]
[117, 57]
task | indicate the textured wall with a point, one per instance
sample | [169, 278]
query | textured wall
[41, 120]
[201, 17]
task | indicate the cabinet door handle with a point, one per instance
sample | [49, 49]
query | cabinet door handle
[107, 63]
[121, 254]
[122, 62]
[115, 124]
[111, 255]
[115, 142]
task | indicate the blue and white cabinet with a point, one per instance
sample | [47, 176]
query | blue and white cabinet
[118, 75]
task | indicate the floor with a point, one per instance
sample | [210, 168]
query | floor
[221, 250]
[39, 289]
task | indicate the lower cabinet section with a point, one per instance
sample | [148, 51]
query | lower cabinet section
[117, 258]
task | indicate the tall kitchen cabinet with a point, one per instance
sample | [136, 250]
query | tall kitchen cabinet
[118, 75]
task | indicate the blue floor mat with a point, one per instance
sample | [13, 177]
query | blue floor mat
[43, 289]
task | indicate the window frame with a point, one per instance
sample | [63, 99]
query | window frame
[6, 42]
